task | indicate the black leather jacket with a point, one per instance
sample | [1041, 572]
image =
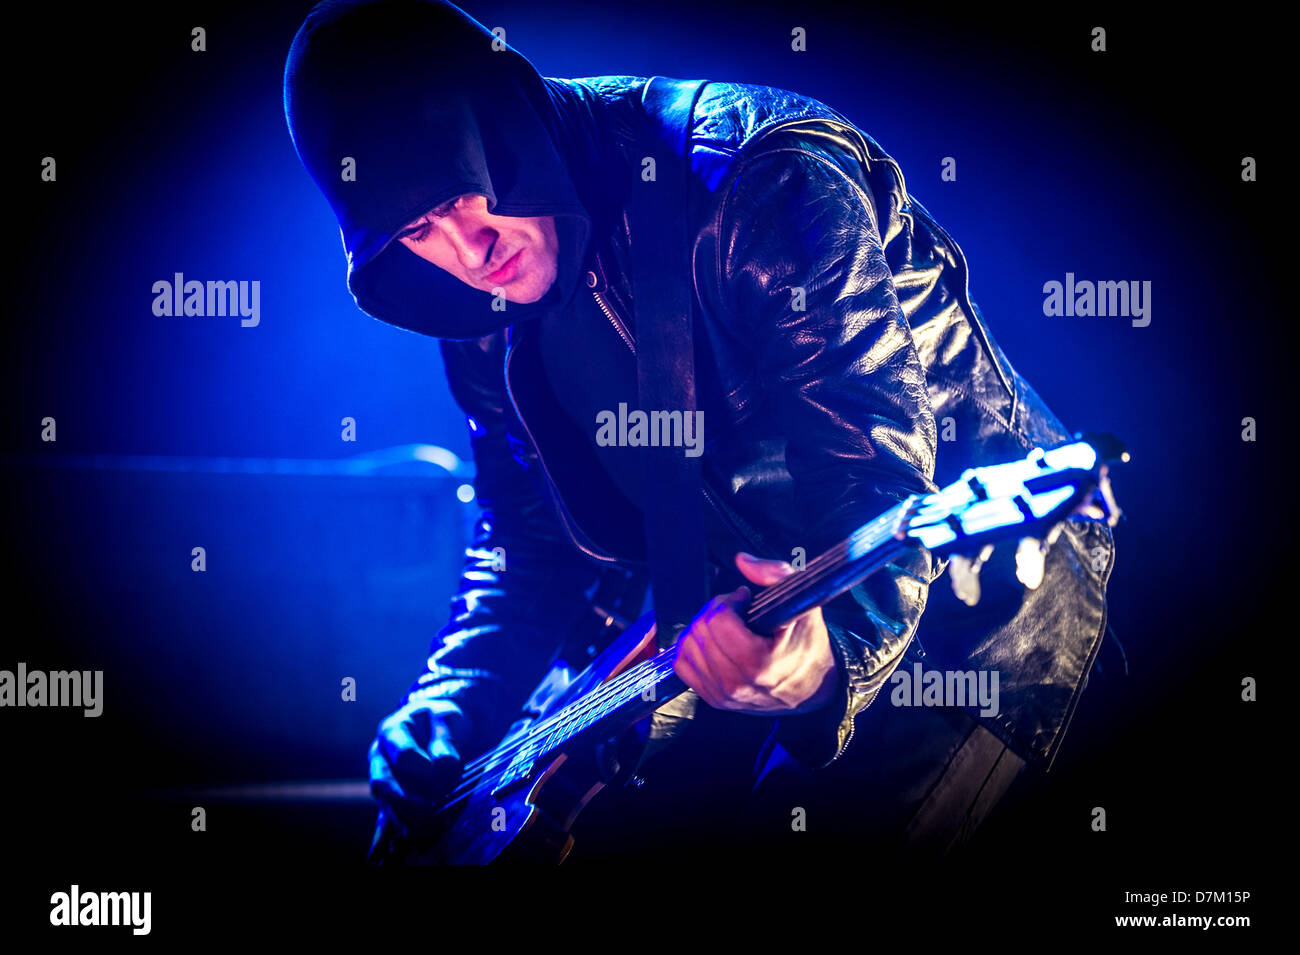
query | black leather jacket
[818, 420]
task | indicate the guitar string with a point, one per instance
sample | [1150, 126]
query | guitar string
[596, 699]
[838, 554]
[654, 666]
[575, 714]
[818, 570]
[831, 560]
[542, 729]
[787, 585]
[659, 673]
[869, 531]
[811, 574]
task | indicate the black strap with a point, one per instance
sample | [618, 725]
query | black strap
[662, 296]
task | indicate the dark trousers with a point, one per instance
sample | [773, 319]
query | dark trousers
[914, 783]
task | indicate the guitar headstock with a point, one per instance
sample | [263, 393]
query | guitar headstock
[1027, 499]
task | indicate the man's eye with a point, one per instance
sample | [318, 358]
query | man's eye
[417, 233]
[445, 209]
[420, 231]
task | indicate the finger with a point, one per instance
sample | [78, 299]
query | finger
[422, 771]
[694, 670]
[732, 649]
[383, 842]
[395, 736]
[427, 778]
[728, 680]
[687, 673]
[413, 813]
[383, 787]
[759, 571]
[728, 603]
[693, 664]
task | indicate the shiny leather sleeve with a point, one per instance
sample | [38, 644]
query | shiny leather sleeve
[523, 584]
[842, 379]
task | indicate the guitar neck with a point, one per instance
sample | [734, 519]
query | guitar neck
[846, 564]
[824, 578]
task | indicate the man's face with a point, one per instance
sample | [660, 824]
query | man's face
[515, 254]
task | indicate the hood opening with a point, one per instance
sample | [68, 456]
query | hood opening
[414, 98]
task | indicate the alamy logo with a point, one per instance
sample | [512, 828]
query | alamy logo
[1104, 299]
[656, 429]
[102, 908]
[82, 688]
[967, 688]
[212, 299]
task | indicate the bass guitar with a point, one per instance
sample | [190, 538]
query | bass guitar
[520, 799]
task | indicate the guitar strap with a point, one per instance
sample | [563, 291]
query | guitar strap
[663, 298]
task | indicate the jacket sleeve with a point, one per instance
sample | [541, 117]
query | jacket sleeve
[801, 269]
[523, 586]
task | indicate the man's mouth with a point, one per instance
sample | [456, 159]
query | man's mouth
[507, 272]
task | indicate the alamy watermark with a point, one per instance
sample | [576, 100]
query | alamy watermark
[653, 429]
[1103, 299]
[209, 299]
[956, 688]
[102, 908]
[84, 688]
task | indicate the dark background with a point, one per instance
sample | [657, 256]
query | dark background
[1116, 166]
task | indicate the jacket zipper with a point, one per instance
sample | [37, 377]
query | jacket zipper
[614, 320]
[853, 726]
[853, 723]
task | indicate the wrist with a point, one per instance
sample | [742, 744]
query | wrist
[833, 682]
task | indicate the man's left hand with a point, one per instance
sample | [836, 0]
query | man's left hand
[733, 668]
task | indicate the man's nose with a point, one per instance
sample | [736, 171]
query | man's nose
[471, 237]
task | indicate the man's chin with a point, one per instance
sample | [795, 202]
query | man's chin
[524, 296]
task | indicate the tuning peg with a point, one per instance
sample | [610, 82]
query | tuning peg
[1101, 504]
[1031, 555]
[964, 573]
[1108, 503]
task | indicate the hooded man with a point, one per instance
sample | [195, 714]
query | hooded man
[487, 206]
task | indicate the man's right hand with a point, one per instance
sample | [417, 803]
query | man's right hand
[414, 765]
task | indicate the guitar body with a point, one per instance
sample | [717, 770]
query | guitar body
[530, 822]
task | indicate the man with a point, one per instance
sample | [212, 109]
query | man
[487, 206]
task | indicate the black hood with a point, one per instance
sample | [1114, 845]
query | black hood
[414, 94]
